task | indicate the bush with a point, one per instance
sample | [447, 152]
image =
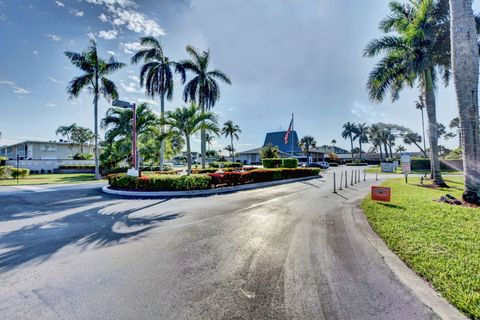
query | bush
[82, 156]
[226, 164]
[272, 163]
[76, 166]
[289, 163]
[3, 160]
[159, 182]
[19, 173]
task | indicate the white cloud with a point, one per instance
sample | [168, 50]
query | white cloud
[60, 4]
[78, 13]
[366, 113]
[49, 104]
[112, 53]
[54, 37]
[103, 17]
[131, 87]
[3, 17]
[136, 22]
[55, 80]
[35, 53]
[108, 35]
[130, 47]
[120, 3]
[15, 88]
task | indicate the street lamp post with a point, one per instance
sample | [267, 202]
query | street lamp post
[127, 105]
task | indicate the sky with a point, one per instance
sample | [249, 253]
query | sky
[283, 57]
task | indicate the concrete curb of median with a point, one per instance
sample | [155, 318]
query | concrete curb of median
[206, 192]
[420, 287]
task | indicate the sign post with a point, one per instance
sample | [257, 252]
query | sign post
[406, 167]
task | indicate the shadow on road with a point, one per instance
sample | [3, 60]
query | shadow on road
[99, 226]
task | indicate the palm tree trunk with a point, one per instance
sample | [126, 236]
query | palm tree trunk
[381, 154]
[386, 149]
[390, 148]
[162, 144]
[465, 62]
[432, 129]
[360, 145]
[423, 132]
[233, 150]
[203, 143]
[95, 129]
[189, 155]
[351, 145]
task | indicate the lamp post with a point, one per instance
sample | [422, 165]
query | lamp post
[128, 105]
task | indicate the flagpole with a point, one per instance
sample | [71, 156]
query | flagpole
[293, 130]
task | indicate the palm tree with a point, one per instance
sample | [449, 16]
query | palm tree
[420, 105]
[118, 128]
[187, 121]
[375, 138]
[66, 132]
[269, 152]
[400, 149]
[414, 55]
[361, 133]
[348, 133]
[157, 76]
[203, 88]
[81, 136]
[455, 124]
[306, 143]
[465, 68]
[231, 130]
[94, 79]
[414, 138]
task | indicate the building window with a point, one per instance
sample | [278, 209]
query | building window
[48, 148]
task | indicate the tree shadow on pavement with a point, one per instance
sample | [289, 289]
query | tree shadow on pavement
[99, 226]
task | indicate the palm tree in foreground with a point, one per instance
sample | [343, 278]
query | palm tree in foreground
[187, 121]
[231, 130]
[413, 55]
[465, 68]
[157, 76]
[306, 143]
[348, 133]
[203, 88]
[94, 79]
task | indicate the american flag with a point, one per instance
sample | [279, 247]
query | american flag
[287, 134]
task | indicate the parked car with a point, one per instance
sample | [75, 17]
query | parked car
[320, 164]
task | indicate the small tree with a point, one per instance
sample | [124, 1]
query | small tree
[269, 152]
[306, 143]
[333, 157]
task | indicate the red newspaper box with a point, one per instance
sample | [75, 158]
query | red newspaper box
[381, 194]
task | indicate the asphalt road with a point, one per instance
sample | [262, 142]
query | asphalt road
[294, 251]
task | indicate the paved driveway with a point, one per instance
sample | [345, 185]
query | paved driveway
[295, 251]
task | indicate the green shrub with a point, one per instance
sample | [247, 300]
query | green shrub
[356, 164]
[5, 172]
[19, 173]
[82, 156]
[225, 164]
[76, 166]
[159, 182]
[289, 163]
[3, 159]
[272, 163]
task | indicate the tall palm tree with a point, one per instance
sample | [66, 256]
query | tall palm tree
[465, 68]
[411, 137]
[231, 130]
[187, 121]
[400, 149]
[375, 138]
[118, 128]
[306, 143]
[203, 88]
[361, 133]
[81, 136]
[414, 54]
[94, 79]
[156, 75]
[420, 105]
[349, 133]
[455, 124]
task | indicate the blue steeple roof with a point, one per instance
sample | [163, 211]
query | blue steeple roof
[278, 139]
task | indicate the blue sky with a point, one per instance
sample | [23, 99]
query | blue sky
[302, 56]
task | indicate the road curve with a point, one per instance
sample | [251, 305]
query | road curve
[288, 252]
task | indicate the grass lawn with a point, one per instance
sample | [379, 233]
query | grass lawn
[50, 179]
[440, 242]
[377, 169]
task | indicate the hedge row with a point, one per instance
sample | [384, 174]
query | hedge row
[159, 182]
[356, 164]
[7, 172]
[214, 170]
[226, 164]
[171, 182]
[280, 163]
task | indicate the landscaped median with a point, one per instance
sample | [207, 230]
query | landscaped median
[441, 242]
[206, 182]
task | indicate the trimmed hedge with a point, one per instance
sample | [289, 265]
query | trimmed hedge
[76, 166]
[170, 182]
[355, 164]
[272, 163]
[225, 164]
[159, 182]
[289, 163]
[7, 172]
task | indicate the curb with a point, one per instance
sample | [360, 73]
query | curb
[420, 287]
[206, 192]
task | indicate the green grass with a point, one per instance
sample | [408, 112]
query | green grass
[377, 169]
[440, 242]
[50, 179]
